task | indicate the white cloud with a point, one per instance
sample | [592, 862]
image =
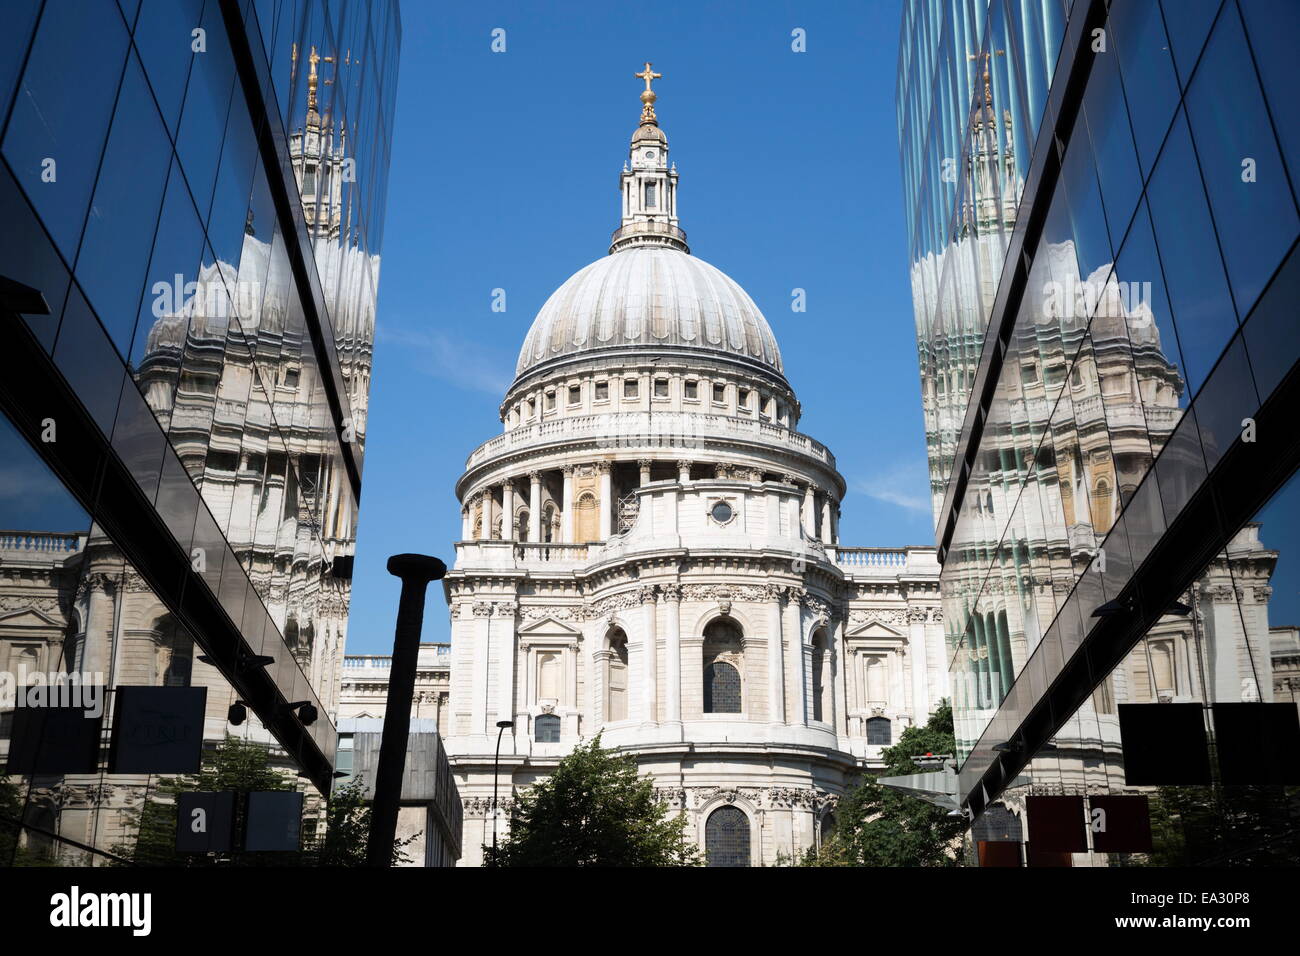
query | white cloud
[905, 485]
[460, 362]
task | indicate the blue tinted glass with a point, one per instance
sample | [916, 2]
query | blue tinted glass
[1150, 85]
[20, 17]
[229, 221]
[1188, 23]
[1087, 220]
[1228, 398]
[30, 258]
[1247, 186]
[61, 115]
[173, 266]
[124, 213]
[1272, 332]
[1273, 26]
[1112, 143]
[164, 39]
[85, 356]
[32, 497]
[203, 118]
[1198, 291]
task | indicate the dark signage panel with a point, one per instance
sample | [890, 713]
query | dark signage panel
[1258, 744]
[274, 821]
[1164, 745]
[1056, 824]
[54, 740]
[1120, 824]
[158, 730]
[205, 822]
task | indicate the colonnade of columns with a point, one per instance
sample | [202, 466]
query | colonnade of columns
[496, 503]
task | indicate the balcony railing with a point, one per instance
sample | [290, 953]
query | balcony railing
[871, 557]
[550, 553]
[647, 227]
[676, 430]
[39, 543]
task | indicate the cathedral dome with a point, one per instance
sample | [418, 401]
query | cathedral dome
[652, 296]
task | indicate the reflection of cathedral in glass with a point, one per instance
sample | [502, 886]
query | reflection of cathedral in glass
[1084, 317]
[241, 413]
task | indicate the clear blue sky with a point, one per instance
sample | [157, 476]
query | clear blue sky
[504, 174]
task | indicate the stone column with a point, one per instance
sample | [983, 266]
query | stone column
[649, 657]
[507, 512]
[566, 518]
[916, 642]
[534, 506]
[684, 470]
[775, 656]
[809, 502]
[606, 504]
[97, 627]
[466, 520]
[672, 594]
[798, 676]
[644, 465]
[479, 678]
[489, 512]
[504, 612]
[827, 537]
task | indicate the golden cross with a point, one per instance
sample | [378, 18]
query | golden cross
[647, 75]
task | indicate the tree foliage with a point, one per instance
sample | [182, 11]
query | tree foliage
[594, 810]
[877, 826]
[244, 766]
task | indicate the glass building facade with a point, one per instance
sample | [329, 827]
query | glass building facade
[1101, 202]
[192, 197]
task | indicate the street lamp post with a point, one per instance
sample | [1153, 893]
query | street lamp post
[496, 762]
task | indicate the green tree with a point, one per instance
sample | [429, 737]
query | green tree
[594, 810]
[243, 766]
[348, 819]
[877, 826]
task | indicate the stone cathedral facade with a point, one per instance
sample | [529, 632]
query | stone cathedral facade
[650, 552]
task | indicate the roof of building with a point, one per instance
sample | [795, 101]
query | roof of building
[653, 296]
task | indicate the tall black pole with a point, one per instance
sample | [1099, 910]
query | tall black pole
[496, 763]
[416, 571]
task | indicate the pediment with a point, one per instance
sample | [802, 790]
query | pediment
[877, 630]
[548, 626]
[29, 617]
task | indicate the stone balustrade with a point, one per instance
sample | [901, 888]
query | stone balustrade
[680, 431]
[17, 545]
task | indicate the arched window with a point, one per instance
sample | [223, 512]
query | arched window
[721, 688]
[523, 524]
[616, 677]
[1162, 664]
[549, 675]
[879, 730]
[548, 522]
[821, 676]
[588, 523]
[876, 681]
[1102, 508]
[726, 837]
[546, 729]
[724, 663]
[826, 828]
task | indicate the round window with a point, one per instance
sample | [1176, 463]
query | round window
[721, 512]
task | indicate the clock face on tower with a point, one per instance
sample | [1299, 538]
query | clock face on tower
[649, 154]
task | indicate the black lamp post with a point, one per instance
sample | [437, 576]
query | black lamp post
[496, 762]
[416, 571]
